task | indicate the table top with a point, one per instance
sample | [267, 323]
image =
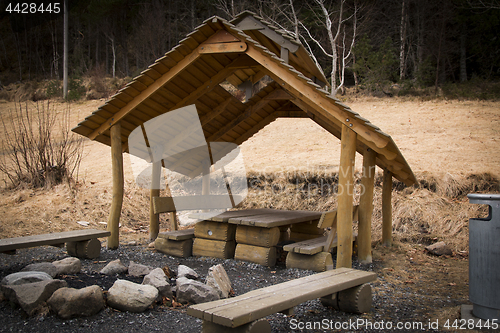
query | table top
[263, 217]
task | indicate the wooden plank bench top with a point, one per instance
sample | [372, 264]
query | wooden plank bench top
[224, 217]
[276, 218]
[178, 235]
[9, 244]
[313, 246]
[256, 304]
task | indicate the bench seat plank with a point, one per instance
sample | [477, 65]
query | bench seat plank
[225, 216]
[9, 244]
[310, 246]
[256, 304]
[277, 218]
[178, 235]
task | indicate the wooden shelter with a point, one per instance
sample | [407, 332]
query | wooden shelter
[242, 52]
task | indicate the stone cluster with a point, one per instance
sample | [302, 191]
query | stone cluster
[40, 288]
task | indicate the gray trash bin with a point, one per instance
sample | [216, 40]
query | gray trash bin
[484, 258]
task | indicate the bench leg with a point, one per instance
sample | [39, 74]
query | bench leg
[354, 300]
[318, 262]
[88, 249]
[257, 326]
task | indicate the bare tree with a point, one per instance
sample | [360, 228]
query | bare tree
[231, 8]
[485, 4]
[66, 50]
[334, 32]
[402, 53]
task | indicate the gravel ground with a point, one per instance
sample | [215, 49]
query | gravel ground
[392, 303]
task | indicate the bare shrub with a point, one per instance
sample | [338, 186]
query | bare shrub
[38, 148]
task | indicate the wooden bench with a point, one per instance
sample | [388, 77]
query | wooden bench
[178, 243]
[345, 289]
[315, 254]
[79, 243]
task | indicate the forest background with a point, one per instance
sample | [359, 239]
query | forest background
[382, 47]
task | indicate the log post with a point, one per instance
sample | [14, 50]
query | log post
[205, 182]
[366, 207]
[173, 220]
[387, 208]
[345, 197]
[154, 219]
[117, 201]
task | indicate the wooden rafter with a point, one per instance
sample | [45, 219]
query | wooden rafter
[174, 71]
[245, 115]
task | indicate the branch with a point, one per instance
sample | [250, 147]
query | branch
[314, 40]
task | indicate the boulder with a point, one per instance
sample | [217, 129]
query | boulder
[46, 267]
[217, 278]
[159, 280]
[138, 270]
[184, 271]
[70, 265]
[195, 292]
[25, 277]
[114, 267]
[439, 249]
[32, 296]
[128, 296]
[70, 302]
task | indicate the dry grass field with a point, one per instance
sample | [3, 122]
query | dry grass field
[452, 147]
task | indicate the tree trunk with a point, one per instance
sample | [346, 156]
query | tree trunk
[65, 56]
[402, 55]
[463, 56]
[441, 35]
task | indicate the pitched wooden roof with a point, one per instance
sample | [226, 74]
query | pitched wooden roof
[218, 50]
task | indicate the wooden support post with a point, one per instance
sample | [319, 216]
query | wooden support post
[172, 215]
[387, 209]
[345, 197]
[285, 55]
[205, 182]
[117, 201]
[154, 219]
[366, 208]
[173, 220]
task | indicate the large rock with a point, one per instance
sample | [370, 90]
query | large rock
[46, 267]
[32, 296]
[439, 249]
[138, 270]
[195, 292]
[159, 280]
[70, 265]
[114, 267]
[217, 278]
[25, 277]
[70, 302]
[128, 296]
[185, 271]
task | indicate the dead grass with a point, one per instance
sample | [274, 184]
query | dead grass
[292, 164]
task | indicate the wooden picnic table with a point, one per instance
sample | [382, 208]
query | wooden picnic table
[252, 233]
[262, 217]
